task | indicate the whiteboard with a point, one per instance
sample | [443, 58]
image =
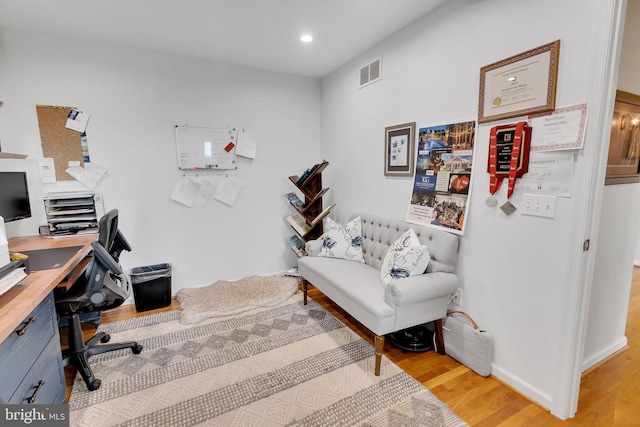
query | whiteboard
[206, 147]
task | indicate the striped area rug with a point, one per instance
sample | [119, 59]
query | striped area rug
[292, 365]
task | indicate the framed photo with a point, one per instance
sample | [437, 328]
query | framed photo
[399, 149]
[624, 147]
[519, 85]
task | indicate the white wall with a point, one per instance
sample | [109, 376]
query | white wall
[514, 269]
[135, 98]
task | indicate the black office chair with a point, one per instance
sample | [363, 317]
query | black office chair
[102, 286]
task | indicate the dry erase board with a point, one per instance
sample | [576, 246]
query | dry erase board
[206, 147]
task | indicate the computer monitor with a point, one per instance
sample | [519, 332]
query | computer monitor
[14, 196]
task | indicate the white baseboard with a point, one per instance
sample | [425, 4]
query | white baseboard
[533, 393]
[594, 359]
[636, 262]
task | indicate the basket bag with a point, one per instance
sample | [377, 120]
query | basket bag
[466, 343]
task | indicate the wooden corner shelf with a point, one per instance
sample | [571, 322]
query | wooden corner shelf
[307, 221]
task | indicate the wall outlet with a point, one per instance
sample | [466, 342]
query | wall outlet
[457, 297]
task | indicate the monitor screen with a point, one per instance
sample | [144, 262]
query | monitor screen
[14, 196]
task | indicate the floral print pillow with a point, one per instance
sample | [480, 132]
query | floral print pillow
[344, 242]
[405, 257]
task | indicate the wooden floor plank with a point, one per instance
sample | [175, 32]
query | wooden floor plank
[608, 393]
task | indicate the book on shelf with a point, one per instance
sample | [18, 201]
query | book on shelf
[299, 224]
[303, 176]
[308, 173]
[294, 200]
[322, 214]
[297, 245]
[312, 171]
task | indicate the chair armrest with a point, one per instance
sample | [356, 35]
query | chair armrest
[97, 273]
[421, 287]
[313, 247]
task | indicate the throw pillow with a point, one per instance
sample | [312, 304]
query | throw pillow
[344, 242]
[405, 257]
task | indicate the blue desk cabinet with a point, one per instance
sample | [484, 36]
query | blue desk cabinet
[31, 359]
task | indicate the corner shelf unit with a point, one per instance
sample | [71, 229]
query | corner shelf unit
[307, 220]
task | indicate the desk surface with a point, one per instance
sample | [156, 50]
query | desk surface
[19, 301]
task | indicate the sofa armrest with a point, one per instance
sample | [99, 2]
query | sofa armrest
[421, 287]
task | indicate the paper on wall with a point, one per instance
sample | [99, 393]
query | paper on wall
[90, 176]
[228, 190]
[550, 173]
[247, 144]
[204, 193]
[77, 120]
[47, 170]
[185, 191]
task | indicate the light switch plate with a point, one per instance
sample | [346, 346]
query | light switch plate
[539, 205]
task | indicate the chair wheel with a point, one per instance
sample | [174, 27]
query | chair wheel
[105, 338]
[137, 349]
[94, 385]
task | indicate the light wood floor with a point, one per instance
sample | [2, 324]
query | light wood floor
[609, 393]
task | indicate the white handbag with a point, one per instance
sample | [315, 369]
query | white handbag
[466, 343]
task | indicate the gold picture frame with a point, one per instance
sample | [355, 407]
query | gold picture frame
[519, 85]
[399, 149]
[623, 161]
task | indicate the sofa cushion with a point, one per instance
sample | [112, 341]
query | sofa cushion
[354, 286]
[405, 257]
[343, 242]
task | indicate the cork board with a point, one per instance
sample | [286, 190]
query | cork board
[61, 144]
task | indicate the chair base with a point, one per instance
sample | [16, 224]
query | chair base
[80, 351]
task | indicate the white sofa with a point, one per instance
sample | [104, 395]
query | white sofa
[406, 302]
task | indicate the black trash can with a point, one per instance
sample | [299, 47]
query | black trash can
[151, 286]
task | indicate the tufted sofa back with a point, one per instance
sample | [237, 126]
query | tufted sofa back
[378, 233]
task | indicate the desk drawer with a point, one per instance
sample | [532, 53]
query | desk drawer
[45, 379]
[21, 349]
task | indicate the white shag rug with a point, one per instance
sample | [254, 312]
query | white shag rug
[225, 298]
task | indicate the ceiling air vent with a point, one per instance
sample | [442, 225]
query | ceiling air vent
[371, 73]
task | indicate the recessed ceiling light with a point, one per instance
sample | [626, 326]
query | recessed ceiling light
[306, 38]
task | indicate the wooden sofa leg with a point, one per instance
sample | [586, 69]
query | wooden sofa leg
[305, 289]
[439, 336]
[379, 342]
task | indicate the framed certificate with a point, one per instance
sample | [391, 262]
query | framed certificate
[519, 85]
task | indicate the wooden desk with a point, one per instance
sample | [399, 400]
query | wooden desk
[19, 301]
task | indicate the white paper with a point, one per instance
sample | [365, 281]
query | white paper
[47, 170]
[247, 144]
[204, 193]
[228, 190]
[82, 176]
[549, 173]
[4, 245]
[77, 120]
[185, 191]
[562, 129]
[96, 171]
[90, 176]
